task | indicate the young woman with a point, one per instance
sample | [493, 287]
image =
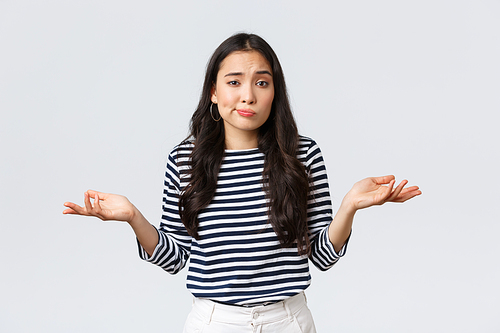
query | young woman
[246, 201]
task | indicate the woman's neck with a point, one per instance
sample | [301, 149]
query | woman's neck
[241, 142]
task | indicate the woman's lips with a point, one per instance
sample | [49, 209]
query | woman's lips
[245, 112]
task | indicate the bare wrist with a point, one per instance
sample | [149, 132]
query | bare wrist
[135, 217]
[348, 206]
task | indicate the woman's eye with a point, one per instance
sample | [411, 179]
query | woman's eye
[232, 83]
[262, 83]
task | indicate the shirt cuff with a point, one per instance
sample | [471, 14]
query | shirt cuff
[144, 255]
[329, 246]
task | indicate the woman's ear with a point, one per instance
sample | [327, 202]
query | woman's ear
[214, 94]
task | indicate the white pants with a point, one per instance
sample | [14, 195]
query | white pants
[290, 316]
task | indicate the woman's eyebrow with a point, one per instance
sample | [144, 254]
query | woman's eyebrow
[264, 72]
[233, 74]
[241, 73]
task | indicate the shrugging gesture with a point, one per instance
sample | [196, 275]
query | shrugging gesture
[366, 193]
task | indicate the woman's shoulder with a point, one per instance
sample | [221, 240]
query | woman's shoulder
[182, 151]
[308, 151]
[184, 146]
[305, 140]
[306, 143]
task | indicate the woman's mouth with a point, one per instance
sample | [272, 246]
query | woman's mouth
[245, 112]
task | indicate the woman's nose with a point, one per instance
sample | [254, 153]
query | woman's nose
[247, 95]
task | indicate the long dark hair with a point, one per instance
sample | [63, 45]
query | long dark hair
[284, 178]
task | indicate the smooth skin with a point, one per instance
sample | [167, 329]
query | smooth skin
[244, 92]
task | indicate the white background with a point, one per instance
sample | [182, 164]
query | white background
[94, 94]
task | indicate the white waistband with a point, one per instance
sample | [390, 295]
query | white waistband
[213, 311]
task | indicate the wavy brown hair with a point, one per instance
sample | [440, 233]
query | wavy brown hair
[285, 180]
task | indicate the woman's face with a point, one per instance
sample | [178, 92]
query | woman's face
[244, 94]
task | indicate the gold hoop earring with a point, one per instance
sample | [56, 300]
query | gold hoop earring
[213, 114]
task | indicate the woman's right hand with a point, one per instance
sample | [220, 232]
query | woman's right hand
[106, 206]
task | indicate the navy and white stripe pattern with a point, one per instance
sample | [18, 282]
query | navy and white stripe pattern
[239, 259]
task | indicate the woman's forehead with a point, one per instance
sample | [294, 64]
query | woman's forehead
[244, 60]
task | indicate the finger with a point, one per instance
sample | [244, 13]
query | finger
[397, 190]
[88, 205]
[70, 211]
[385, 193]
[408, 189]
[390, 187]
[102, 195]
[408, 195]
[383, 179]
[92, 193]
[97, 206]
[411, 188]
[74, 209]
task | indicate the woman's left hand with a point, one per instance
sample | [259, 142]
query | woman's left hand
[379, 190]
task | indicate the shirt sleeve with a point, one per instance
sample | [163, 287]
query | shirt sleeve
[174, 243]
[320, 211]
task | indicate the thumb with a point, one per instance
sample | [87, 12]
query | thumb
[93, 193]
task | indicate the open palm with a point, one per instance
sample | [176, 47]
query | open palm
[106, 206]
[379, 190]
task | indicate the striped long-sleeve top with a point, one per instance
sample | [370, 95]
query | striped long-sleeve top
[238, 258]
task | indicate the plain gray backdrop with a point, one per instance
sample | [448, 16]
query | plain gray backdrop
[94, 94]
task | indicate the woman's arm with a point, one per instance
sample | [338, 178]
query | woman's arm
[108, 206]
[366, 193]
